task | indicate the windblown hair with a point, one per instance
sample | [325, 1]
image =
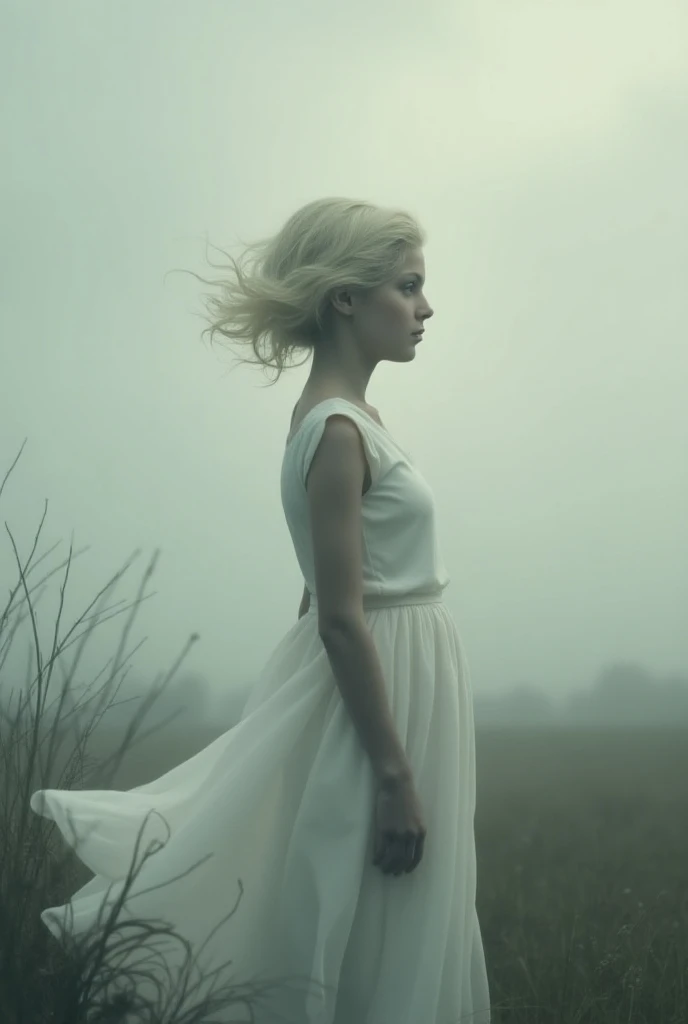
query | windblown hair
[278, 300]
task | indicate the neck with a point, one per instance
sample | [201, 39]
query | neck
[348, 376]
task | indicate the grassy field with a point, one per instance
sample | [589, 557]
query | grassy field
[582, 845]
[582, 872]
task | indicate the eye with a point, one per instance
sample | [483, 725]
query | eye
[411, 284]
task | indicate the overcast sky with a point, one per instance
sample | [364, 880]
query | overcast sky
[544, 148]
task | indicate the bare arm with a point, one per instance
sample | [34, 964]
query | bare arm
[334, 485]
[357, 669]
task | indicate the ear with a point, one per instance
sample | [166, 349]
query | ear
[343, 301]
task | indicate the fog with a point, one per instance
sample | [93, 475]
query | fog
[545, 152]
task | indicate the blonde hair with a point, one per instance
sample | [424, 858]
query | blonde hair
[282, 304]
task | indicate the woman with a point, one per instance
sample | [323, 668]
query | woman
[344, 797]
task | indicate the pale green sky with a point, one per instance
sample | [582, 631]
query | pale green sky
[545, 150]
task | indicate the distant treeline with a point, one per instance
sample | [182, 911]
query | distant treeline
[624, 695]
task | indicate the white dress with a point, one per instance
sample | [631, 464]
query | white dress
[284, 800]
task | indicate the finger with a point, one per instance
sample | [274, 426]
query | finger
[381, 850]
[418, 853]
[402, 854]
[390, 856]
[410, 853]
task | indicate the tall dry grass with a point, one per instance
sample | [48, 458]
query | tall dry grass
[80, 978]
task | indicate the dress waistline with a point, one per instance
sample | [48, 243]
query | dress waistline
[392, 600]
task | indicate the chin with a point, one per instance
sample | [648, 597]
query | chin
[403, 355]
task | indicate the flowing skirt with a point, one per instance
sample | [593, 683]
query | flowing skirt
[277, 816]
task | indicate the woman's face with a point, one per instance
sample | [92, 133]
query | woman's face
[388, 316]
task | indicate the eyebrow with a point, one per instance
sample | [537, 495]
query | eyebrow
[416, 275]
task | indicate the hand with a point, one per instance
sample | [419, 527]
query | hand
[399, 827]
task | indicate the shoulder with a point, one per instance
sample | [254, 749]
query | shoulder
[340, 438]
[343, 458]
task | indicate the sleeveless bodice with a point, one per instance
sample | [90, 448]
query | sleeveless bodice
[401, 554]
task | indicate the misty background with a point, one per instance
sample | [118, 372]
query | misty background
[544, 148]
